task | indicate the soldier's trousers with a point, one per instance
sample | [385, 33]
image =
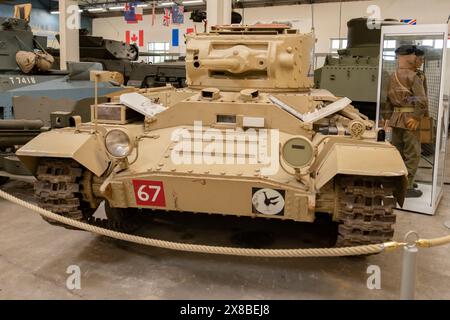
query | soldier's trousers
[407, 143]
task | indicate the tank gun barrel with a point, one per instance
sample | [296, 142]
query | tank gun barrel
[228, 64]
[21, 124]
[18, 132]
[153, 54]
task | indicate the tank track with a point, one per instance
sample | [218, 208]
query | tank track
[59, 189]
[366, 210]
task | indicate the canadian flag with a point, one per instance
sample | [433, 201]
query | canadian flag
[131, 37]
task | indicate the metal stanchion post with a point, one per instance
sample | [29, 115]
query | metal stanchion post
[447, 224]
[408, 284]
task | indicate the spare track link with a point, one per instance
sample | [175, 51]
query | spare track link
[59, 189]
[366, 206]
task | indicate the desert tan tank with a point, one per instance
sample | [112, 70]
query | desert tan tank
[248, 137]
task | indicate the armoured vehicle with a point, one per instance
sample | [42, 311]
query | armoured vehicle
[16, 35]
[248, 137]
[121, 57]
[27, 100]
[354, 73]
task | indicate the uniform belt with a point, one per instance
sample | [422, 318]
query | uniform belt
[404, 109]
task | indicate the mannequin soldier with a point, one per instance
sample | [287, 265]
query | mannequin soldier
[420, 54]
[406, 105]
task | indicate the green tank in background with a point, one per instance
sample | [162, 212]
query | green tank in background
[121, 57]
[28, 100]
[354, 74]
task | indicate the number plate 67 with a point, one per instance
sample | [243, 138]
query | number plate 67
[149, 193]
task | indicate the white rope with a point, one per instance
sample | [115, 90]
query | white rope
[280, 253]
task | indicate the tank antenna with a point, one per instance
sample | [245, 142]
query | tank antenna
[314, 35]
[340, 19]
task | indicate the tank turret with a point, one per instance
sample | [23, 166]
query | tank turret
[268, 57]
[364, 41]
[118, 56]
[92, 47]
[16, 35]
[354, 73]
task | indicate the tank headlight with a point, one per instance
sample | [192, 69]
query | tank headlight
[298, 152]
[118, 143]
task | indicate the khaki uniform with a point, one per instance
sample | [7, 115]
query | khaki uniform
[406, 98]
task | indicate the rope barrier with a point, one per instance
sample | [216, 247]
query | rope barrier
[428, 243]
[268, 253]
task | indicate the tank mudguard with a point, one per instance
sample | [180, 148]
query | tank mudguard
[363, 159]
[84, 147]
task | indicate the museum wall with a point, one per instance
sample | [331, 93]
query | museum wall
[116, 28]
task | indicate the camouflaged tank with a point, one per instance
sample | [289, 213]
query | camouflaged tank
[248, 137]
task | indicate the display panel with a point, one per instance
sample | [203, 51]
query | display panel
[410, 107]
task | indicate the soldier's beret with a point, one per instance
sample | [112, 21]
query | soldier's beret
[420, 51]
[406, 50]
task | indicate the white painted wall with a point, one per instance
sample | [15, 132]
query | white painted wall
[326, 20]
[116, 27]
[326, 15]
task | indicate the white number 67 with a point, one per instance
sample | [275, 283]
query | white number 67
[144, 196]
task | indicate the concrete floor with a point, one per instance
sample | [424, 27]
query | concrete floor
[34, 257]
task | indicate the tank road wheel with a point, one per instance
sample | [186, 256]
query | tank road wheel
[125, 220]
[366, 206]
[59, 189]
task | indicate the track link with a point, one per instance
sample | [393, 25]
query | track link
[366, 210]
[59, 188]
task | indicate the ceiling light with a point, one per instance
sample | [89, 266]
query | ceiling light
[96, 9]
[166, 4]
[57, 12]
[192, 1]
[117, 8]
[142, 6]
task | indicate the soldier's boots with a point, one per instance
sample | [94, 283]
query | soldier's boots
[413, 193]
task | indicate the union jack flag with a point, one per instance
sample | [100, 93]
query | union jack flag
[166, 18]
[412, 22]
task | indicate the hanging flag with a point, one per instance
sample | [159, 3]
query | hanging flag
[412, 22]
[175, 37]
[139, 12]
[131, 37]
[132, 13]
[166, 18]
[177, 14]
[153, 13]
